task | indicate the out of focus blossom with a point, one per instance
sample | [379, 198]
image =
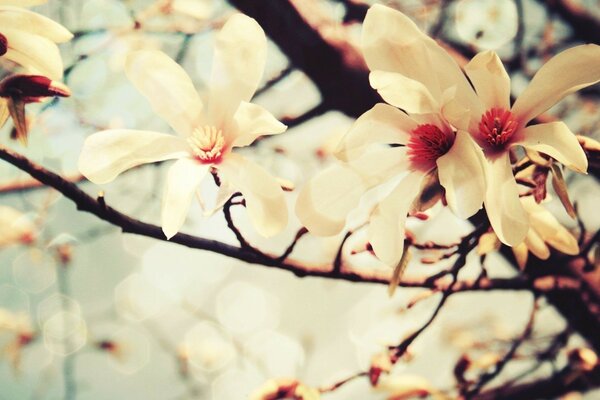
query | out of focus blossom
[488, 24]
[15, 227]
[29, 39]
[16, 332]
[544, 231]
[207, 135]
[285, 388]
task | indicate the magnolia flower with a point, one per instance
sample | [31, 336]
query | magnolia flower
[430, 148]
[544, 231]
[15, 227]
[29, 39]
[428, 81]
[207, 135]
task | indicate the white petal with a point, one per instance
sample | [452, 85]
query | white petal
[491, 82]
[238, 66]
[108, 153]
[34, 52]
[22, 3]
[392, 42]
[264, 197]
[405, 93]
[462, 174]
[386, 226]
[182, 181]
[326, 200]
[565, 73]
[167, 87]
[380, 165]
[506, 214]
[381, 124]
[34, 23]
[536, 245]
[252, 122]
[556, 140]
[200, 9]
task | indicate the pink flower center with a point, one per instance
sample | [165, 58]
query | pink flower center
[497, 126]
[426, 144]
[3, 45]
[207, 143]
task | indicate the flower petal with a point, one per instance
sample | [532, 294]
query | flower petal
[264, 197]
[34, 52]
[238, 66]
[556, 140]
[405, 93]
[565, 73]
[462, 174]
[22, 3]
[386, 226]
[506, 214]
[34, 23]
[108, 153]
[200, 9]
[392, 42]
[167, 87]
[182, 181]
[491, 82]
[382, 124]
[536, 245]
[326, 200]
[252, 122]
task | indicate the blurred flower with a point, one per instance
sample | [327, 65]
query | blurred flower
[29, 39]
[285, 388]
[487, 24]
[16, 332]
[544, 230]
[430, 152]
[207, 137]
[15, 227]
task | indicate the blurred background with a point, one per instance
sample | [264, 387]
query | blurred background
[87, 312]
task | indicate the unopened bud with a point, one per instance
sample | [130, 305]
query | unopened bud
[3, 45]
[32, 88]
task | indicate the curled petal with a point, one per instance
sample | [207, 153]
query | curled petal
[536, 245]
[490, 79]
[182, 181]
[567, 72]
[36, 53]
[382, 124]
[386, 225]
[32, 87]
[264, 197]
[252, 122]
[34, 23]
[167, 87]
[462, 174]
[326, 200]
[108, 153]
[405, 93]
[556, 140]
[238, 66]
[506, 214]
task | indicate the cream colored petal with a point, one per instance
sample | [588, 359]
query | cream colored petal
[264, 197]
[491, 82]
[326, 200]
[200, 9]
[536, 245]
[405, 93]
[567, 72]
[238, 66]
[506, 214]
[521, 253]
[253, 121]
[556, 140]
[34, 23]
[381, 124]
[548, 227]
[34, 52]
[386, 225]
[167, 87]
[392, 42]
[182, 181]
[377, 166]
[108, 153]
[15, 227]
[22, 3]
[462, 174]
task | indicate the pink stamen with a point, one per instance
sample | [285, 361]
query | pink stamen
[497, 126]
[426, 144]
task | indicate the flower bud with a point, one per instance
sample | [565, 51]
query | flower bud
[3, 45]
[31, 88]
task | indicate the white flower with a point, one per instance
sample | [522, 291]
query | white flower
[429, 145]
[15, 227]
[544, 231]
[207, 136]
[498, 127]
[29, 39]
